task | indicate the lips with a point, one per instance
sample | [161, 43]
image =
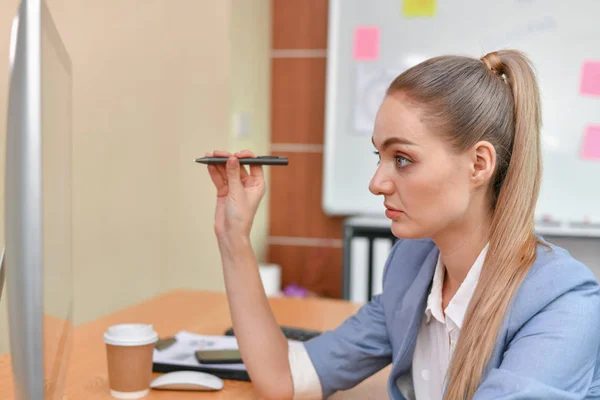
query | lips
[391, 212]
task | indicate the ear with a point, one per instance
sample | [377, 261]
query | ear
[483, 163]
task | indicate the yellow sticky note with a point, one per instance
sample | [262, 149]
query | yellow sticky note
[419, 8]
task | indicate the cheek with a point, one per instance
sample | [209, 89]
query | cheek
[433, 196]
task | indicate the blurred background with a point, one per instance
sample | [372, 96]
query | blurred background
[157, 83]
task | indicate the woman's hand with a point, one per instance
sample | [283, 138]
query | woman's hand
[238, 195]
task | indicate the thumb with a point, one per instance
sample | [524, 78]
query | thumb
[233, 174]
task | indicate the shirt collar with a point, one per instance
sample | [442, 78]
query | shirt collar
[457, 307]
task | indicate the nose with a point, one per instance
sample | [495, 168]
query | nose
[381, 184]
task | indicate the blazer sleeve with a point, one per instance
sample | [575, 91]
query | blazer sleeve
[553, 355]
[356, 349]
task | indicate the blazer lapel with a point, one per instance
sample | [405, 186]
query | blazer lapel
[409, 313]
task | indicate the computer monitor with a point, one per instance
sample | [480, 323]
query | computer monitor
[38, 201]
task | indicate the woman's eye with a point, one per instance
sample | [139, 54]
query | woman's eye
[402, 162]
[378, 157]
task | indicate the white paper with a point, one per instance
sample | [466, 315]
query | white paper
[182, 351]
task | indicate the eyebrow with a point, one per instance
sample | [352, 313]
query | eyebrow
[393, 140]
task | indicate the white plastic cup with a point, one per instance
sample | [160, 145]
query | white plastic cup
[270, 275]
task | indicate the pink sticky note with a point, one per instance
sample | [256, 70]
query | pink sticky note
[590, 78]
[590, 150]
[366, 43]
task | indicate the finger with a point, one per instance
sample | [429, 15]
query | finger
[221, 167]
[243, 173]
[245, 154]
[221, 171]
[221, 153]
[218, 181]
[255, 170]
[233, 174]
[218, 178]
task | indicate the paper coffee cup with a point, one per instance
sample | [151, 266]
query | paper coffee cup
[129, 349]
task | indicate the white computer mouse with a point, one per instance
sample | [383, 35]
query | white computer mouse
[187, 380]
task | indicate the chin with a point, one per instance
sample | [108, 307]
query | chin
[405, 231]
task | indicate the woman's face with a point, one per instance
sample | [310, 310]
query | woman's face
[426, 187]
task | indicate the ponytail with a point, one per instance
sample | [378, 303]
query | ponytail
[512, 247]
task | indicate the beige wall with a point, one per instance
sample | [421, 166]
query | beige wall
[250, 93]
[152, 91]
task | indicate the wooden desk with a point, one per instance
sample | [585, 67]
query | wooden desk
[198, 312]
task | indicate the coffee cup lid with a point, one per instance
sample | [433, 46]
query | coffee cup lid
[130, 335]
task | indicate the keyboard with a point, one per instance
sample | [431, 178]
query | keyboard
[290, 332]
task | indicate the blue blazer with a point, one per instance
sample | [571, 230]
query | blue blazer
[547, 348]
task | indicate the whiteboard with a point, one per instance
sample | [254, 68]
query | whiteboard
[562, 38]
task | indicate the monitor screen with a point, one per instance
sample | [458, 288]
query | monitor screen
[56, 206]
[39, 205]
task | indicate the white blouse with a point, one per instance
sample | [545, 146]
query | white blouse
[436, 340]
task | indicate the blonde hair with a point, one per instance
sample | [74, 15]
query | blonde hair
[495, 98]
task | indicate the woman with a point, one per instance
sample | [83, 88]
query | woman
[474, 304]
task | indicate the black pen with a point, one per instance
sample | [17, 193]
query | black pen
[262, 160]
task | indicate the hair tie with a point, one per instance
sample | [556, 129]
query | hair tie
[493, 62]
